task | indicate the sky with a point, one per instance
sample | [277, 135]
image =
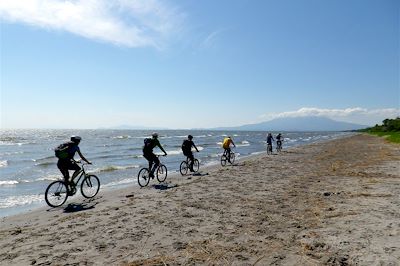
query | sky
[196, 64]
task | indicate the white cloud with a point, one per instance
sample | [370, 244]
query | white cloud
[354, 115]
[132, 23]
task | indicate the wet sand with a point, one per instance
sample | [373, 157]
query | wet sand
[332, 203]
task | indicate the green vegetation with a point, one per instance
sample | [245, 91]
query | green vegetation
[390, 129]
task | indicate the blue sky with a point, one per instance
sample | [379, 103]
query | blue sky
[185, 64]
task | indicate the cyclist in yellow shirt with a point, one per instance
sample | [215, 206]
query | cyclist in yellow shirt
[226, 144]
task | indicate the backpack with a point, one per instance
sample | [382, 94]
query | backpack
[147, 143]
[186, 146]
[61, 151]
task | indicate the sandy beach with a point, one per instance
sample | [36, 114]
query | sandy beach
[331, 203]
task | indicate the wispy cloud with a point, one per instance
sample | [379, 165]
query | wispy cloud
[131, 23]
[355, 114]
[211, 38]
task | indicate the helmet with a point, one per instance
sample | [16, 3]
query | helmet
[190, 137]
[154, 135]
[75, 138]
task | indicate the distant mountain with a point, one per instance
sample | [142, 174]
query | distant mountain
[310, 123]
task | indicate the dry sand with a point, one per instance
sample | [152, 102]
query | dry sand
[333, 203]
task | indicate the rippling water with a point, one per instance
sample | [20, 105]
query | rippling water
[28, 164]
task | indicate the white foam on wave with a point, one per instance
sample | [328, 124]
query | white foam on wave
[119, 183]
[3, 163]
[13, 201]
[8, 183]
[174, 152]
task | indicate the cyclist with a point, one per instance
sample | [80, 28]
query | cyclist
[149, 145]
[279, 140]
[66, 160]
[226, 144]
[187, 150]
[270, 138]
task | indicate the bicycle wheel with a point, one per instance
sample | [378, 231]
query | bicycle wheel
[278, 148]
[232, 158]
[143, 177]
[56, 194]
[196, 165]
[223, 160]
[161, 173]
[183, 168]
[90, 186]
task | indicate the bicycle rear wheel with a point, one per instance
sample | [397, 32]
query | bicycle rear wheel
[223, 160]
[90, 186]
[56, 194]
[161, 173]
[183, 168]
[196, 165]
[143, 177]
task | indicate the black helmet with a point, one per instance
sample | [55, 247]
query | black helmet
[76, 138]
[190, 137]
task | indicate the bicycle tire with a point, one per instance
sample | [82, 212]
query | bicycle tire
[90, 186]
[162, 173]
[143, 177]
[223, 160]
[56, 194]
[196, 165]
[183, 168]
[232, 158]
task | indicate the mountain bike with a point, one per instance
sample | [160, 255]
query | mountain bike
[185, 166]
[144, 174]
[58, 191]
[269, 148]
[278, 146]
[224, 157]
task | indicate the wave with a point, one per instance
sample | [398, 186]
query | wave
[3, 163]
[114, 168]
[13, 201]
[45, 164]
[174, 152]
[8, 183]
[121, 182]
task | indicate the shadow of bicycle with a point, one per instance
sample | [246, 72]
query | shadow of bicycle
[164, 186]
[78, 207]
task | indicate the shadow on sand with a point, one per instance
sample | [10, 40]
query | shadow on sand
[78, 207]
[164, 186]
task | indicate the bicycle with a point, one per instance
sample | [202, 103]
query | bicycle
[278, 146]
[224, 157]
[144, 174]
[58, 191]
[269, 148]
[185, 166]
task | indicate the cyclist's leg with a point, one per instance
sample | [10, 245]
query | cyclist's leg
[191, 157]
[62, 166]
[156, 162]
[74, 166]
[228, 154]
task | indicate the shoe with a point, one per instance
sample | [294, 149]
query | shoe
[191, 170]
[151, 176]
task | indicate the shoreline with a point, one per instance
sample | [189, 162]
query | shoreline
[40, 205]
[334, 202]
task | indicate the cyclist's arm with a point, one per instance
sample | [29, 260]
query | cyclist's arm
[195, 147]
[233, 144]
[83, 157]
[162, 149]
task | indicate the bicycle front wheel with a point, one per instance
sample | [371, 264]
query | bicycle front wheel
[90, 186]
[223, 160]
[56, 194]
[183, 168]
[161, 173]
[143, 177]
[196, 165]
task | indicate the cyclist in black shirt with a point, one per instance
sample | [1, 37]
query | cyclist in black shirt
[187, 150]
